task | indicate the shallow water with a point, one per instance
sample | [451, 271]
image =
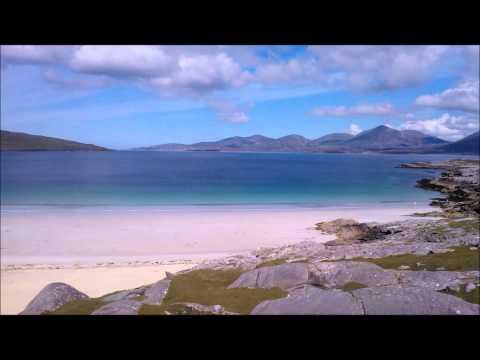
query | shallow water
[122, 178]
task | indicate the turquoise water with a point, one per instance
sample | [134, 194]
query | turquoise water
[210, 179]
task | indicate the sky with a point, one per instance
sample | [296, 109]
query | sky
[127, 96]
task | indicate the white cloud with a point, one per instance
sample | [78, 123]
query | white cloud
[381, 67]
[354, 129]
[203, 72]
[121, 61]
[464, 97]
[292, 71]
[357, 110]
[36, 54]
[446, 126]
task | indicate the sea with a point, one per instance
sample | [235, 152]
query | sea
[210, 179]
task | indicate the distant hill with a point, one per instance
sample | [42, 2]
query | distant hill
[467, 145]
[383, 138]
[330, 140]
[10, 141]
[379, 139]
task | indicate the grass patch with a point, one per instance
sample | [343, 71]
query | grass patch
[469, 226]
[138, 298]
[472, 296]
[461, 259]
[209, 287]
[352, 285]
[79, 307]
[271, 263]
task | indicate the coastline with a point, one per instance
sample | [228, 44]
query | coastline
[179, 239]
[97, 236]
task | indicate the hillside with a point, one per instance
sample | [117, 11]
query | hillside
[15, 141]
[383, 137]
[379, 139]
[467, 145]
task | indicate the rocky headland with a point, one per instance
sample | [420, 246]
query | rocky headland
[425, 265]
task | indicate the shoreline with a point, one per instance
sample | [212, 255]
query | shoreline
[55, 248]
[121, 237]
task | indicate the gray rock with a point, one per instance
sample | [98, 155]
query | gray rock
[337, 274]
[311, 301]
[124, 294]
[214, 309]
[284, 276]
[470, 287]
[396, 300]
[51, 297]
[155, 293]
[434, 280]
[122, 307]
[169, 275]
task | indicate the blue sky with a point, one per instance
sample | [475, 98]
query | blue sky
[128, 96]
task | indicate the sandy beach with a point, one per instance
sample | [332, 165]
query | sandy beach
[103, 250]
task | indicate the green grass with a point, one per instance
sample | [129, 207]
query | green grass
[138, 298]
[209, 287]
[271, 263]
[472, 296]
[352, 285]
[79, 307]
[461, 259]
[469, 226]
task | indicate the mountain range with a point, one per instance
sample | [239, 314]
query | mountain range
[379, 139]
[16, 141]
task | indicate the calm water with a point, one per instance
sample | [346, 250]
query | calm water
[209, 178]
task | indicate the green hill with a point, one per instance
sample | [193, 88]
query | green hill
[15, 141]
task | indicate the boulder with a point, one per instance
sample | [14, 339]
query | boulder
[284, 276]
[311, 300]
[397, 300]
[155, 293]
[331, 227]
[51, 297]
[338, 273]
[124, 294]
[436, 280]
[122, 307]
[348, 230]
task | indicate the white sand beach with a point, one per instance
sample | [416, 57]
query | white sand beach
[102, 250]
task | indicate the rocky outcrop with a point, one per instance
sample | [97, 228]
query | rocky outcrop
[125, 294]
[51, 297]
[338, 274]
[398, 300]
[311, 300]
[121, 307]
[460, 184]
[156, 292]
[438, 280]
[284, 276]
[350, 231]
[387, 300]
